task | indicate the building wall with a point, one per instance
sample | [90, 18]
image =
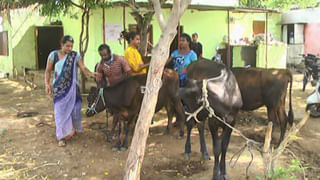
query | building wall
[212, 27]
[6, 64]
[277, 54]
[312, 44]
[22, 40]
[242, 27]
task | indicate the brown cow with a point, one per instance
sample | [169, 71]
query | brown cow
[125, 98]
[266, 87]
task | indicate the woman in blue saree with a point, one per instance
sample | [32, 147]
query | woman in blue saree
[66, 92]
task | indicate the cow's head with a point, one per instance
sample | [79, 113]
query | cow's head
[191, 94]
[96, 102]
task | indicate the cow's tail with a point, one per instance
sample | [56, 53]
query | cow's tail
[290, 113]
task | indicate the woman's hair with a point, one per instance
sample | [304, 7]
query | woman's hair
[129, 35]
[187, 37]
[67, 38]
[104, 47]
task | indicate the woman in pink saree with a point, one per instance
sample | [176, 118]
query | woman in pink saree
[66, 92]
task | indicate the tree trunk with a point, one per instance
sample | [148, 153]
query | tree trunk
[84, 42]
[144, 34]
[270, 156]
[267, 154]
[159, 56]
[143, 22]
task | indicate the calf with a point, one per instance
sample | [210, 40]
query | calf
[266, 87]
[125, 98]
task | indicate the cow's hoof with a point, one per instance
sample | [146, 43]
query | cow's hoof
[166, 132]
[180, 137]
[206, 157]
[187, 156]
[124, 148]
[216, 175]
[109, 140]
[224, 177]
[115, 149]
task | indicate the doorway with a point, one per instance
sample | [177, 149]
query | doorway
[47, 39]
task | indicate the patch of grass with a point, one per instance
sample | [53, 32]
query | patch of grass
[287, 173]
[3, 132]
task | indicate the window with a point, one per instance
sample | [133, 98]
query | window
[4, 43]
[259, 27]
[290, 35]
[134, 27]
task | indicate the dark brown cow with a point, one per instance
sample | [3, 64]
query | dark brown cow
[266, 87]
[125, 98]
[210, 86]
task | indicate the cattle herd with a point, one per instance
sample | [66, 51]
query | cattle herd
[212, 93]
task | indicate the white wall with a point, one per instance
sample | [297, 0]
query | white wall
[301, 16]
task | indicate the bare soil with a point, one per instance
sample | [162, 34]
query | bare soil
[28, 146]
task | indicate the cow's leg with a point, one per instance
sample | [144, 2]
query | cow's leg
[170, 114]
[107, 118]
[281, 112]
[124, 145]
[216, 148]
[203, 146]
[115, 122]
[180, 117]
[187, 147]
[272, 116]
[117, 146]
[225, 138]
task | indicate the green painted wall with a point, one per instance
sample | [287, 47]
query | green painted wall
[242, 27]
[211, 26]
[276, 56]
[6, 64]
[23, 23]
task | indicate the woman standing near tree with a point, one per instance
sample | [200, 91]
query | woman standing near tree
[132, 54]
[66, 92]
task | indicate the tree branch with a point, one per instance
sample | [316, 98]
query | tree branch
[157, 8]
[184, 5]
[77, 5]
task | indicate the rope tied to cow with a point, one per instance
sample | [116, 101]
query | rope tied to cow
[94, 104]
[250, 143]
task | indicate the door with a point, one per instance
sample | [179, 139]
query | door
[48, 39]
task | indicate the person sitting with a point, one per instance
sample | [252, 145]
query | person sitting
[182, 57]
[113, 68]
[132, 54]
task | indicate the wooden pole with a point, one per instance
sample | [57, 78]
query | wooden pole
[266, 54]
[124, 24]
[267, 154]
[104, 24]
[228, 48]
[179, 34]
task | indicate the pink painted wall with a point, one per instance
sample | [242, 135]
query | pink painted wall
[312, 38]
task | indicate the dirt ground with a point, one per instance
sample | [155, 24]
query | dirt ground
[28, 147]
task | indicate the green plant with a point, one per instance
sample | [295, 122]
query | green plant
[287, 173]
